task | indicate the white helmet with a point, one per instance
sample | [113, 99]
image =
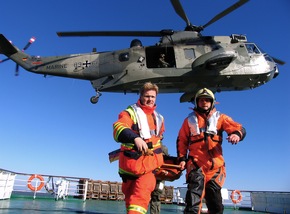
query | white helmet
[204, 92]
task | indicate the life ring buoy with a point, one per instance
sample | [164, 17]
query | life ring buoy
[238, 198]
[36, 188]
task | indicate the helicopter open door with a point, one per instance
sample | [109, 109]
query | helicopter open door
[174, 57]
[156, 55]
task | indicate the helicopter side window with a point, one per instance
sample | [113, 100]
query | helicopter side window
[189, 53]
[123, 57]
[252, 49]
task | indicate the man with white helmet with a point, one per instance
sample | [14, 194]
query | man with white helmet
[199, 150]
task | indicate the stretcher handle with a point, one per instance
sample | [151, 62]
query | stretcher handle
[171, 166]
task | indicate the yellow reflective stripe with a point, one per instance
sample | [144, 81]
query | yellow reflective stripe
[128, 145]
[131, 145]
[132, 114]
[118, 128]
[137, 208]
[158, 144]
[122, 171]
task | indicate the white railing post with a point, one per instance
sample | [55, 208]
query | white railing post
[86, 190]
[34, 194]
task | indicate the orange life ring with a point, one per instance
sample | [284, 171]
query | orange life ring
[36, 188]
[239, 196]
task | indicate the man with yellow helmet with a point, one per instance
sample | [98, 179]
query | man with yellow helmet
[199, 150]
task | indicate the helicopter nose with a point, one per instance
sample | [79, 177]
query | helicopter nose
[276, 72]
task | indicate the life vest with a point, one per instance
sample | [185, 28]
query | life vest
[198, 134]
[205, 142]
[210, 129]
[133, 162]
[140, 119]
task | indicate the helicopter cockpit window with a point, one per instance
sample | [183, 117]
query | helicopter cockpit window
[252, 49]
[123, 57]
[189, 53]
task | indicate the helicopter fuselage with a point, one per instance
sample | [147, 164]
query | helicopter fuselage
[221, 63]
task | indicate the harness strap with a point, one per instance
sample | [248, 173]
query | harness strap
[194, 163]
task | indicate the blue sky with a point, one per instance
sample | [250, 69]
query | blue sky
[49, 126]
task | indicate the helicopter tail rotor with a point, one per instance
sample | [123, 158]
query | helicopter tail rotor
[17, 70]
[3, 60]
[31, 40]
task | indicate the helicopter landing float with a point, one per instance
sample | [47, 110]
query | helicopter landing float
[193, 61]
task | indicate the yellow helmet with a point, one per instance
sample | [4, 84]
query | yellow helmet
[204, 92]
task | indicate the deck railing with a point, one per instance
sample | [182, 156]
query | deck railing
[63, 187]
[40, 185]
[261, 201]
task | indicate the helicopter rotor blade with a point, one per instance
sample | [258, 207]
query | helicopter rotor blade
[110, 33]
[278, 61]
[179, 10]
[17, 70]
[226, 12]
[31, 40]
[3, 60]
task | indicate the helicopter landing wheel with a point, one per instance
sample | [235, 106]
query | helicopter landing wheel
[94, 99]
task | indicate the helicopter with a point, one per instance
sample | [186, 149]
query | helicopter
[180, 62]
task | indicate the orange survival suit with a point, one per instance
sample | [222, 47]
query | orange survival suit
[136, 168]
[199, 143]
